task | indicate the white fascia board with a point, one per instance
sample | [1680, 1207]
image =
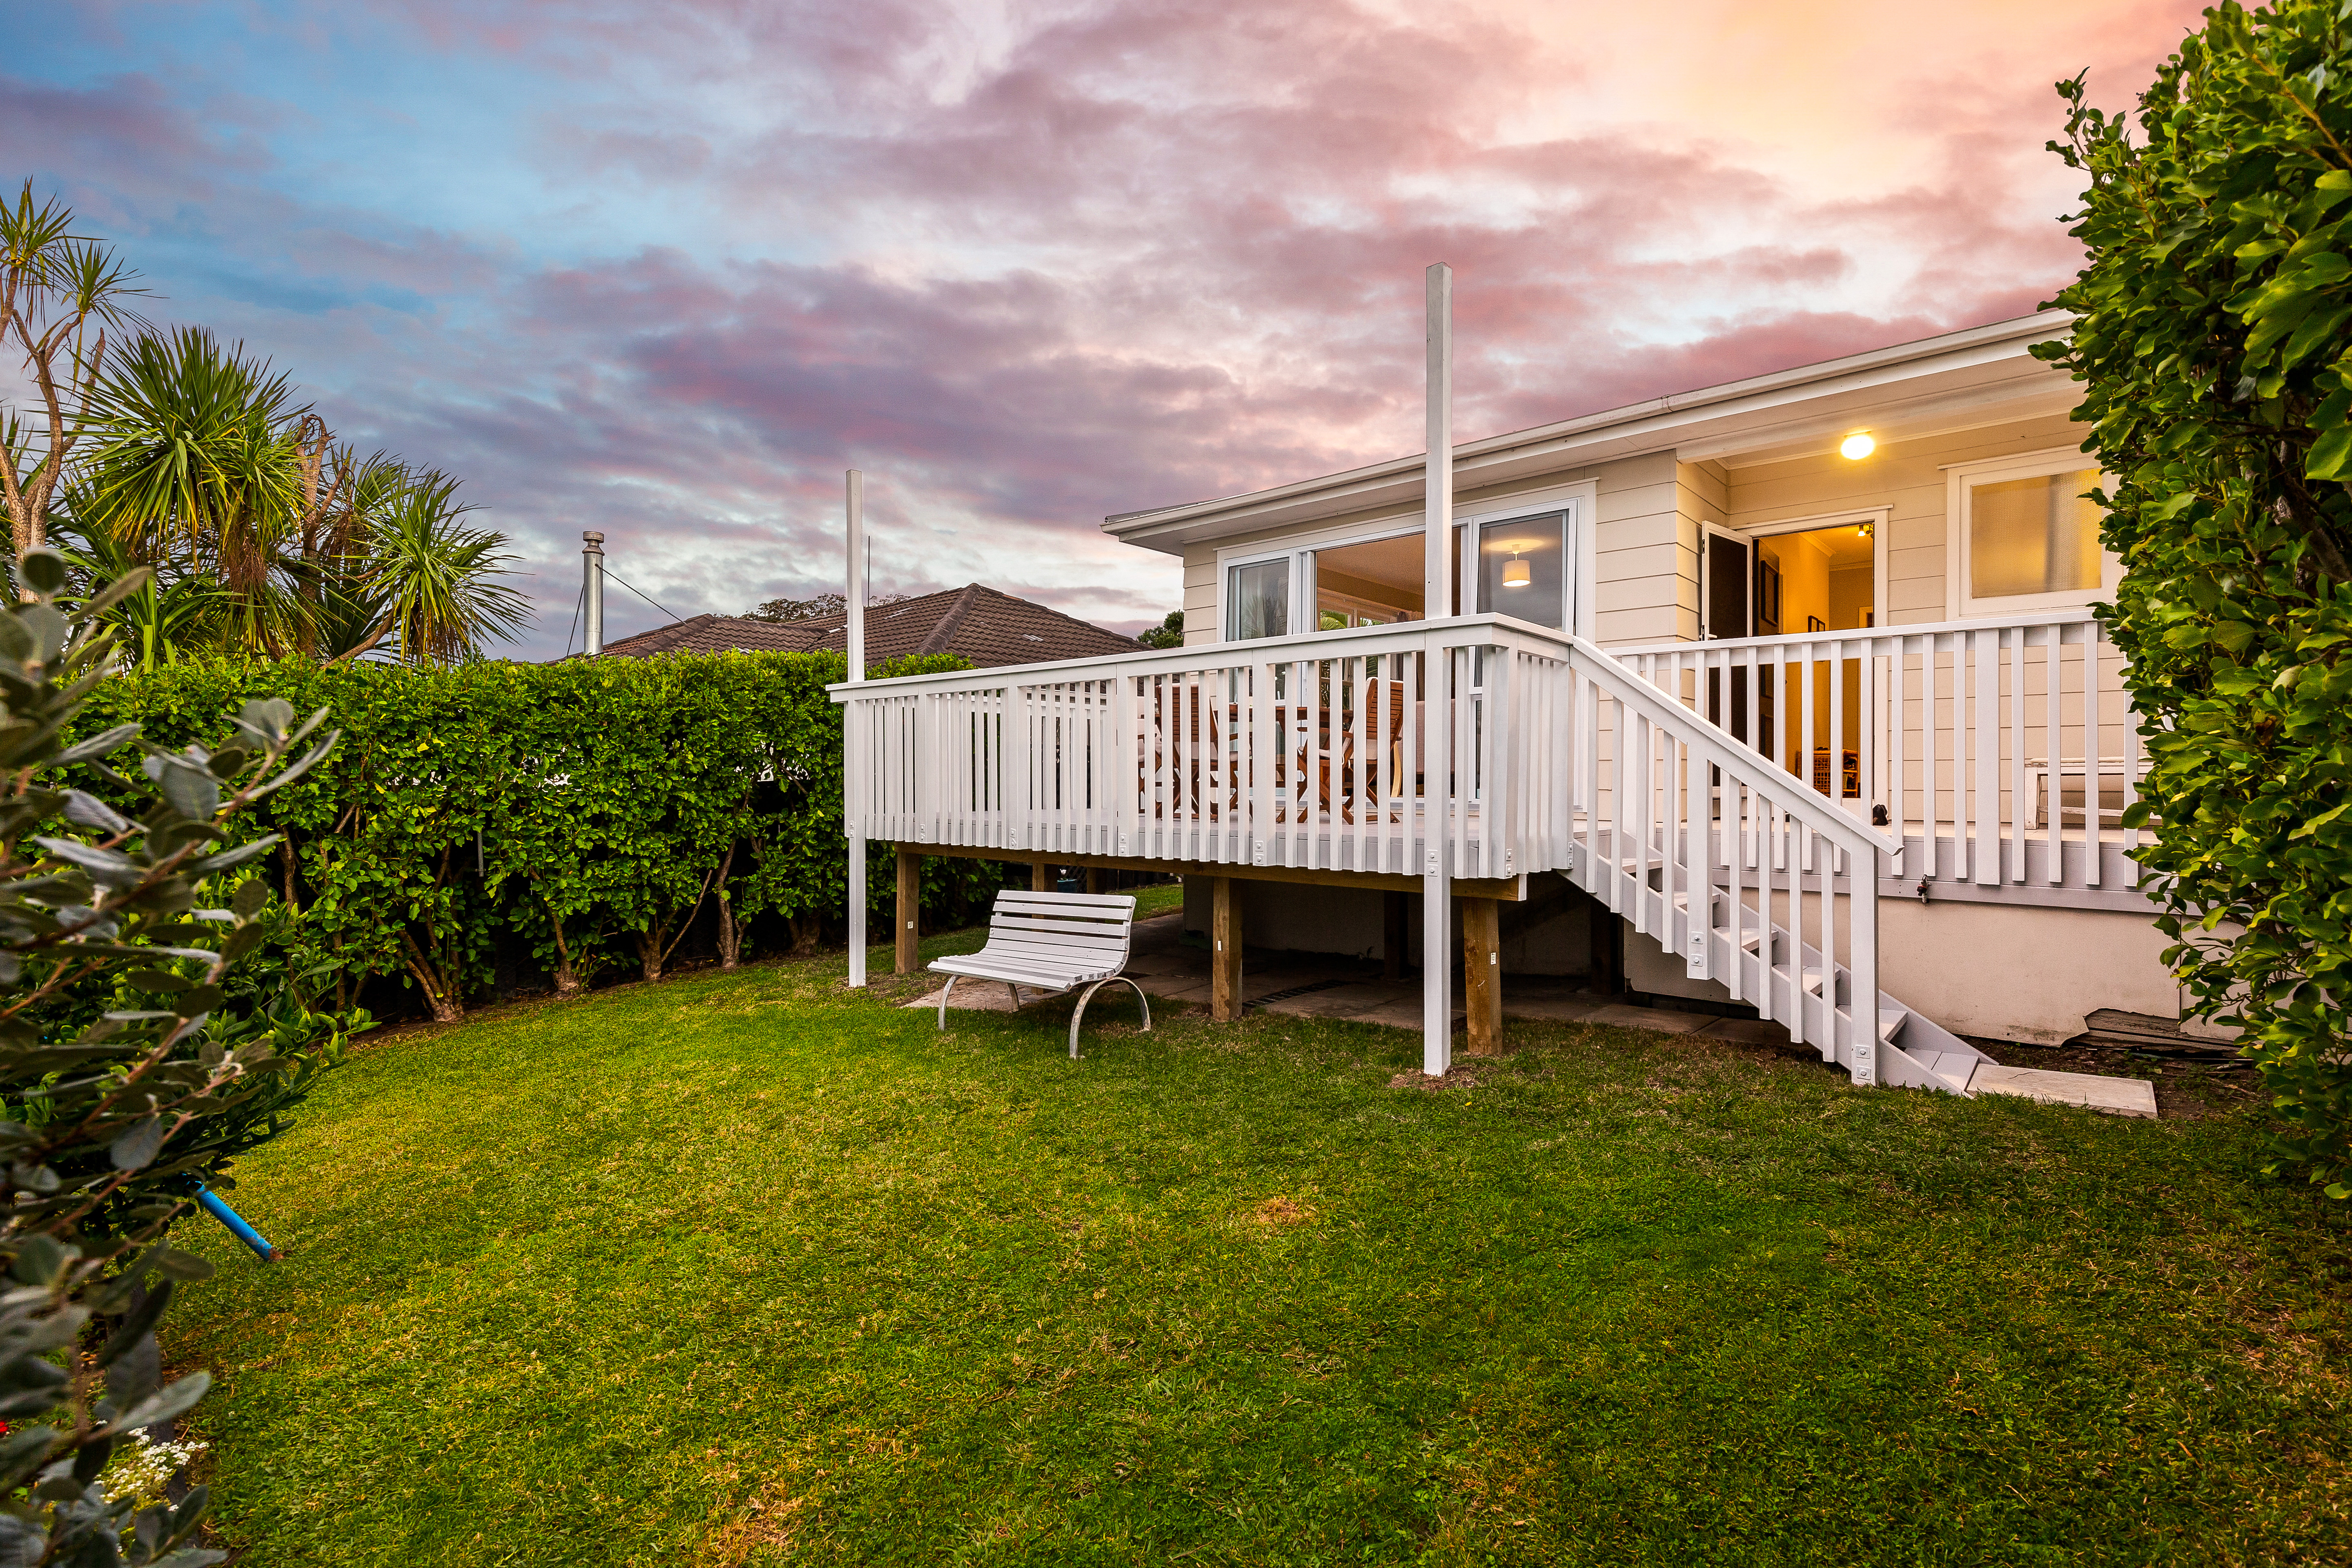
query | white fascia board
[1959, 372]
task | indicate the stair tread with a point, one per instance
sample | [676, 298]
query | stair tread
[1950, 1067]
[1960, 1073]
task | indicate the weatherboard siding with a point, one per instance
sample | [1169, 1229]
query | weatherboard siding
[1906, 477]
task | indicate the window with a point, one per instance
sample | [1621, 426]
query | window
[1372, 582]
[2024, 537]
[1257, 600]
[1523, 569]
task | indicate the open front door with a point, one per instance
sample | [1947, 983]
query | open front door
[1727, 598]
[1727, 584]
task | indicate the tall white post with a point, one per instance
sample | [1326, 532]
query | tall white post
[1437, 727]
[854, 728]
[854, 595]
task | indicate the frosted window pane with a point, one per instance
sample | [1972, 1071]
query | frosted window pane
[2033, 536]
[1258, 600]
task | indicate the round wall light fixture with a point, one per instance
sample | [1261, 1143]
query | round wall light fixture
[1857, 446]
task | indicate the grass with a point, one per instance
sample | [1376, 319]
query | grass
[745, 1269]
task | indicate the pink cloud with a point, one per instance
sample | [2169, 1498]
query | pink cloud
[1031, 270]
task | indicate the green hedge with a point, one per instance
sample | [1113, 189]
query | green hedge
[2214, 343]
[583, 813]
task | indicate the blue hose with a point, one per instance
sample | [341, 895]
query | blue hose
[213, 1205]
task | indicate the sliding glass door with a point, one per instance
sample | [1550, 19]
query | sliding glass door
[1522, 567]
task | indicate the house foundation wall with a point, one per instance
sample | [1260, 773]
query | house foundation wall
[1999, 972]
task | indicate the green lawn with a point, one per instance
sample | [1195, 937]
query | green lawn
[746, 1270]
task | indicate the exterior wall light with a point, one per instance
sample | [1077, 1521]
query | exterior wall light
[1857, 446]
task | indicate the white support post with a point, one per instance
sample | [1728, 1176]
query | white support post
[1861, 962]
[853, 772]
[1437, 673]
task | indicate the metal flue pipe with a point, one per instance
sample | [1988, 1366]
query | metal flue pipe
[591, 586]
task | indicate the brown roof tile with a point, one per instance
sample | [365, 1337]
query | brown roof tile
[978, 623]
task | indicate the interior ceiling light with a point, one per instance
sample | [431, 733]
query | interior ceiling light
[1857, 446]
[1515, 573]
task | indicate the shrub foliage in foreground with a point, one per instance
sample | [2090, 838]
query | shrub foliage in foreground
[2215, 342]
[128, 1074]
[588, 811]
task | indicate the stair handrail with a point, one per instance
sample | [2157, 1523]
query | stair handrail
[1737, 758]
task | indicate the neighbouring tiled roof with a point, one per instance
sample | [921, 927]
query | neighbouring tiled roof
[978, 623]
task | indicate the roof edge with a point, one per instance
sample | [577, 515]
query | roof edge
[2039, 325]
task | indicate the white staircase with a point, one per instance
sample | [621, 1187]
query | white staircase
[1755, 881]
[1782, 977]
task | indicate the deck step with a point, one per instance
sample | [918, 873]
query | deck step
[1952, 1069]
[2116, 1096]
[1891, 1019]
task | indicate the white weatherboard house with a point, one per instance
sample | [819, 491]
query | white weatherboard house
[1719, 702]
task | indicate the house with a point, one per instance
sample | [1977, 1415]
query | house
[1783, 694]
[985, 626]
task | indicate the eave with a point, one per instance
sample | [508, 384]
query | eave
[1978, 376]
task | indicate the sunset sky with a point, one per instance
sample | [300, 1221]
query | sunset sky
[667, 270]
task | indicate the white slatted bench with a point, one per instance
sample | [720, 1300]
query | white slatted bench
[1053, 943]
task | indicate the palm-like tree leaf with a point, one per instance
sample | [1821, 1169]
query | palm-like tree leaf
[439, 579]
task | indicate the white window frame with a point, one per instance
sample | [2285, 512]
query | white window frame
[1958, 603]
[1302, 563]
[1579, 500]
[1877, 516]
[1578, 503]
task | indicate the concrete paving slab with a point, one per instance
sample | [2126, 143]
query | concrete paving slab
[1344, 1001]
[1621, 1015]
[982, 996]
[1566, 1007]
[1399, 1014]
[1749, 1031]
[2116, 1096]
[1264, 985]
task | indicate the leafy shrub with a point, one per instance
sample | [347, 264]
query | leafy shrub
[128, 1074]
[586, 811]
[2215, 342]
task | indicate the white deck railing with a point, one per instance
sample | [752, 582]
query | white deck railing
[1999, 753]
[1307, 752]
[1331, 751]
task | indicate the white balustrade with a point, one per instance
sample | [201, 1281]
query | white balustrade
[1999, 753]
[1297, 751]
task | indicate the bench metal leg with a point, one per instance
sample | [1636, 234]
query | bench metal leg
[1080, 1017]
[943, 1001]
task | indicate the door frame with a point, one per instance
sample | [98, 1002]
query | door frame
[1876, 516]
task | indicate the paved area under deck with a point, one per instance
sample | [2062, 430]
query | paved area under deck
[1311, 985]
